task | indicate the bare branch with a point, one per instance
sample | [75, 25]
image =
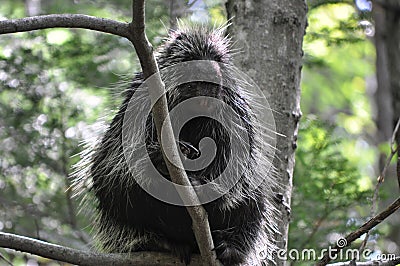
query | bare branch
[65, 21]
[74, 256]
[7, 261]
[393, 151]
[380, 180]
[144, 50]
[366, 227]
[398, 166]
[395, 141]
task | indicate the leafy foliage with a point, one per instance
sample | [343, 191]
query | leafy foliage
[334, 171]
[327, 183]
[55, 83]
[50, 94]
[40, 119]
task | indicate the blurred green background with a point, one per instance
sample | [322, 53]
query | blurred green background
[55, 84]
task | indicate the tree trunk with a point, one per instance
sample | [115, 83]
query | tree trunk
[393, 51]
[391, 28]
[383, 94]
[269, 36]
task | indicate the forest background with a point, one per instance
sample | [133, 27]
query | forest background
[55, 85]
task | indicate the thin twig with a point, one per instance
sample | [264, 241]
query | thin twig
[360, 231]
[6, 260]
[396, 129]
[144, 50]
[380, 180]
[396, 139]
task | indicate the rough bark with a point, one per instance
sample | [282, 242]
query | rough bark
[269, 36]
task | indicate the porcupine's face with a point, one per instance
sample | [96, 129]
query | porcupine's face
[200, 84]
[199, 93]
[203, 139]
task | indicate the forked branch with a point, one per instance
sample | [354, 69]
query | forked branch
[135, 32]
[366, 227]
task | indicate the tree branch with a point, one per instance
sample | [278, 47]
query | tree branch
[366, 227]
[370, 263]
[395, 141]
[65, 21]
[74, 256]
[134, 31]
[381, 179]
[144, 50]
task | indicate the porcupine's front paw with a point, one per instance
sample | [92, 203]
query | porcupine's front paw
[229, 254]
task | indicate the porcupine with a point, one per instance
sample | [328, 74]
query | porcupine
[129, 219]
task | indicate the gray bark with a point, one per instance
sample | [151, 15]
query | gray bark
[269, 36]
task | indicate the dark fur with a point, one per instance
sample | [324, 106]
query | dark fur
[131, 220]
